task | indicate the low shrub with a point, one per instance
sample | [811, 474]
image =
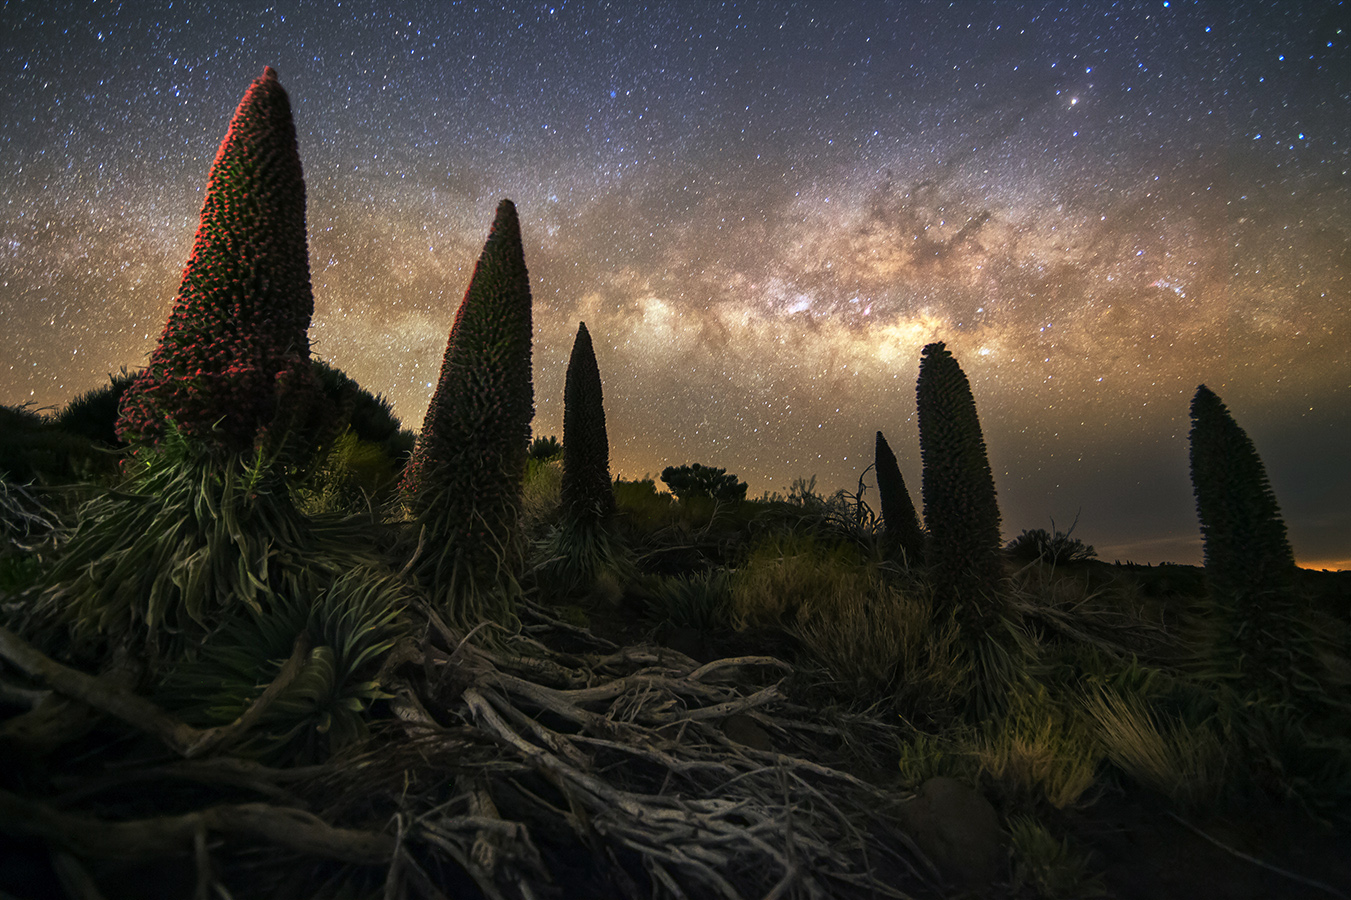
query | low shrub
[1039, 545]
[874, 637]
[642, 505]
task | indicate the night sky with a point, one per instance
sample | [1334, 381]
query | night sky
[762, 212]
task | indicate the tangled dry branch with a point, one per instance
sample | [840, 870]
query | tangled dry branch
[657, 776]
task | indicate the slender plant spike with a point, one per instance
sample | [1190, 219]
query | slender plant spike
[1250, 566]
[960, 509]
[1246, 548]
[463, 484]
[233, 362]
[586, 489]
[898, 511]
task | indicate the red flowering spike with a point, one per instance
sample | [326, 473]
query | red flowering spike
[235, 348]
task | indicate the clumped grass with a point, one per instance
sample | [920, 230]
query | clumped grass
[1049, 865]
[579, 557]
[1040, 751]
[924, 756]
[354, 476]
[541, 493]
[874, 636]
[1187, 762]
[698, 600]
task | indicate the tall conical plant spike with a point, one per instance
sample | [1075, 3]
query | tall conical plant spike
[235, 351]
[1250, 566]
[898, 511]
[587, 494]
[960, 508]
[463, 483]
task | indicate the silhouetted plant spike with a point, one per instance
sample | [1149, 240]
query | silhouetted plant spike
[587, 494]
[1250, 566]
[960, 509]
[898, 511]
[961, 513]
[463, 484]
[232, 367]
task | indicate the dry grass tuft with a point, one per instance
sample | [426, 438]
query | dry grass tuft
[1186, 763]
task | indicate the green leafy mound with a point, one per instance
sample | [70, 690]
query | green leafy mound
[232, 371]
[182, 544]
[348, 626]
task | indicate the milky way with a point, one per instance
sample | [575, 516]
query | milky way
[762, 212]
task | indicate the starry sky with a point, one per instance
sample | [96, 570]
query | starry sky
[762, 211]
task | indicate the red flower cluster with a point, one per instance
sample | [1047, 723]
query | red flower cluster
[243, 309]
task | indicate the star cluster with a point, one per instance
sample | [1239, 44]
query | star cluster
[762, 212]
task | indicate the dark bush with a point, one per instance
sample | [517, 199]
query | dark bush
[543, 449]
[93, 414]
[1057, 548]
[692, 481]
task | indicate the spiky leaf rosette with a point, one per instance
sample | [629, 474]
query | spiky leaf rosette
[587, 493]
[463, 484]
[235, 350]
[898, 511]
[960, 509]
[1250, 566]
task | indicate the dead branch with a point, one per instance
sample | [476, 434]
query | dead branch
[118, 701]
[162, 836]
